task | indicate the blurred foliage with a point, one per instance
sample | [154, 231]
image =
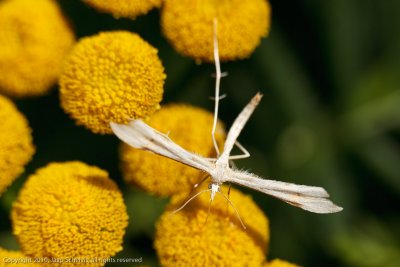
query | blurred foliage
[330, 116]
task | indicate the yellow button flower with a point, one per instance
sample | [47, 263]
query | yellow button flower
[34, 39]
[280, 263]
[111, 77]
[16, 148]
[16, 259]
[188, 126]
[124, 8]
[186, 239]
[70, 210]
[188, 25]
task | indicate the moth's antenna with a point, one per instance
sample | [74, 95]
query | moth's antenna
[209, 206]
[190, 199]
[233, 206]
[217, 83]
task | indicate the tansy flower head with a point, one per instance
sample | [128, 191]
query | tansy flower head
[34, 39]
[188, 126]
[70, 210]
[124, 8]
[111, 77]
[279, 263]
[188, 25]
[187, 239]
[16, 148]
[15, 258]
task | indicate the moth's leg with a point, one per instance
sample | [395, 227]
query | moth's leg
[223, 74]
[234, 208]
[229, 193]
[218, 76]
[205, 177]
[237, 127]
[245, 154]
[208, 212]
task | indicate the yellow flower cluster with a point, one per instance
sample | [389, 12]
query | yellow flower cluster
[188, 238]
[188, 25]
[34, 39]
[111, 77]
[16, 148]
[280, 263]
[124, 8]
[189, 127]
[70, 210]
[73, 211]
[15, 259]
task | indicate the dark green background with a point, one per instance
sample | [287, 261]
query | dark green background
[329, 72]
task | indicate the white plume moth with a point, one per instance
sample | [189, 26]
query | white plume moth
[141, 136]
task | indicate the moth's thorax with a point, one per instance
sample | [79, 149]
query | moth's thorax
[219, 174]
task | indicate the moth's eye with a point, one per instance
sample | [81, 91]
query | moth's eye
[209, 186]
